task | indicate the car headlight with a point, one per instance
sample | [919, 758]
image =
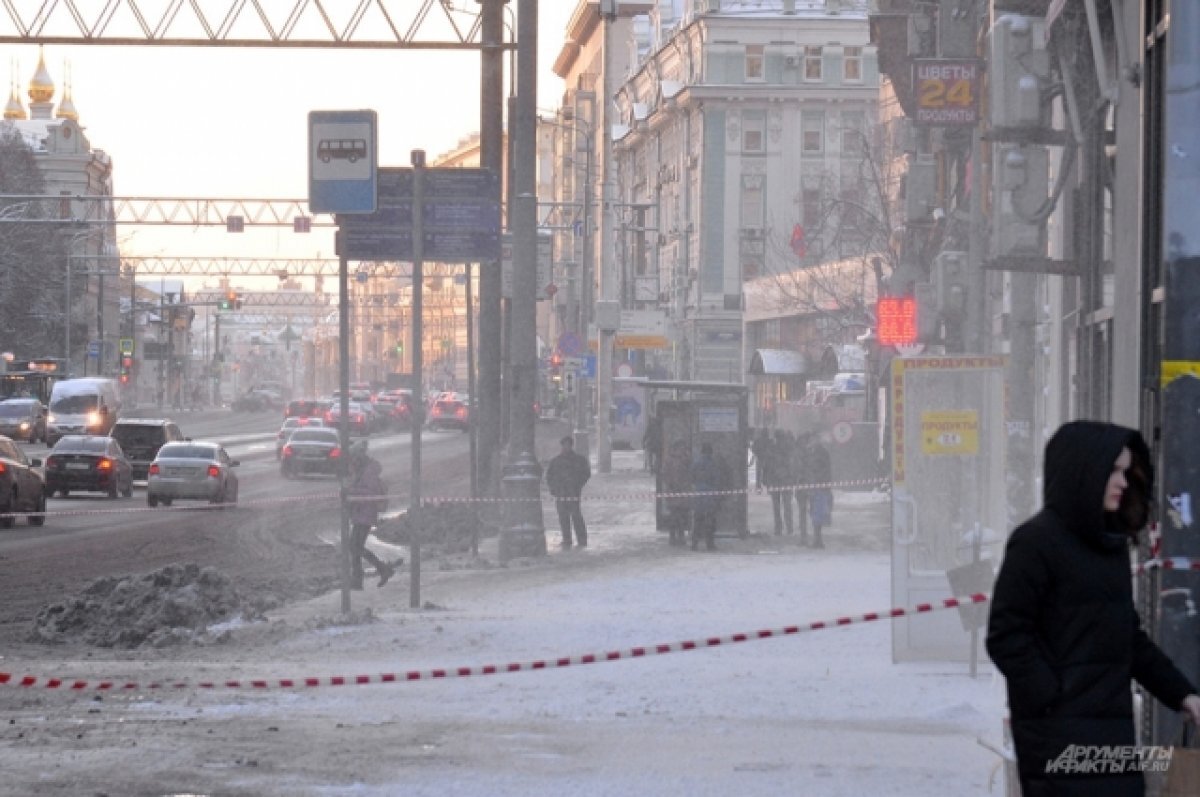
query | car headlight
[51, 419]
[24, 425]
[93, 419]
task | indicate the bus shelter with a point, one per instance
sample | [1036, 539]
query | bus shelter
[704, 412]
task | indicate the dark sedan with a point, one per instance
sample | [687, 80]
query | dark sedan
[23, 419]
[88, 463]
[312, 451]
[22, 488]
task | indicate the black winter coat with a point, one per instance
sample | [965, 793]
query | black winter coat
[567, 474]
[1062, 627]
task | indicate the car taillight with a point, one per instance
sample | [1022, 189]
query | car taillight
[3, 469]
[357, 418]
[461, 412]
[329, 416]
[287, 451]
[51, 462]
[104, 464]
[213, 471]
[334, 453]
[153, 471]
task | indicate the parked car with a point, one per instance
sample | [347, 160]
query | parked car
[192, 469]
[450, 411]
[22, 487]
[141, 438]
[291, 425]
[23, 419]
[88, 463]
[311, 451]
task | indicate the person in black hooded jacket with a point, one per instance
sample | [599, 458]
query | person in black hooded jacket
[1063, 628]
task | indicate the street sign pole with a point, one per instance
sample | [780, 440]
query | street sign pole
[342, 178]
[418, 335]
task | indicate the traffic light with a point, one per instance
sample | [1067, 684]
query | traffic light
[398, 349]
[231, 302]
[126, 368]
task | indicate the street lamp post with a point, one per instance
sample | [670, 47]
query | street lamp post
[583, 309]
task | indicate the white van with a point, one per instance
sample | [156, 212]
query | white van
[90, 405]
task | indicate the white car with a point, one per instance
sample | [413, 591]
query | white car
[190, 469]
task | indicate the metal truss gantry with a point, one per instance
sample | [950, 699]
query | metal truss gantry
[363, 24]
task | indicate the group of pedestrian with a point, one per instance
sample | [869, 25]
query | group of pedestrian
[796, 469]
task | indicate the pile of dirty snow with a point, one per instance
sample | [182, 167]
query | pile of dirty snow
[449, 526]
[174, 605]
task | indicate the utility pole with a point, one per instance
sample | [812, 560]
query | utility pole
[491, 156]
[418, 355]
[524, 533]
[585, 283]
[606, 328]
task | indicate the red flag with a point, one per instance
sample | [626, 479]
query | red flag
[798, 244]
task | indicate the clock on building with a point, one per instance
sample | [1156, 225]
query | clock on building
[645, 289]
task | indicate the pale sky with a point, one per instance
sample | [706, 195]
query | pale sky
[233, 122]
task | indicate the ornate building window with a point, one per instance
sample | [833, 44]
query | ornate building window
[754, 127]
[852, 64]
[812, 63]
[755, 56]
[812, 132]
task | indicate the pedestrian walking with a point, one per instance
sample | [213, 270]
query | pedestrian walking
[708, 480]
[368, 497]
[820, 497]
[676, 480]
[566, 475]
[1063, 628]
[778, 479]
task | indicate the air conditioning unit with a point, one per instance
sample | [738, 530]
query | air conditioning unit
[791, 61]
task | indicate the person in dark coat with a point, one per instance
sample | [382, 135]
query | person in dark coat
[565, 476]
[677, 483]
[776, 468]
[708, 476]
[367, 496]
[1062, 626]
[819, 472]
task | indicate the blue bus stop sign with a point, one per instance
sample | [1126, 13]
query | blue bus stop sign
[342, 161]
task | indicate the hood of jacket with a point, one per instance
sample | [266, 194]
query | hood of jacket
[1079, 461]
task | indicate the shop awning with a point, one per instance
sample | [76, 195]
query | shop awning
[777, 362]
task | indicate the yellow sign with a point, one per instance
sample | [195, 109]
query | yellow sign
[950, 432]
[1173, 369]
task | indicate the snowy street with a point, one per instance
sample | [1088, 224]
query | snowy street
[819, 713]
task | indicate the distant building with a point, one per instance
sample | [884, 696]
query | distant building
[70, 165]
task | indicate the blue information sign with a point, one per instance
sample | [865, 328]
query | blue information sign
[460, 218]
[342, 161]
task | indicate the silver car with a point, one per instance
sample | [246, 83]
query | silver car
[190, 469]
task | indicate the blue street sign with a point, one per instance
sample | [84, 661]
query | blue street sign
[570, 344]
[93, 349]
[589, 367]
[460, 219]
[342, 161]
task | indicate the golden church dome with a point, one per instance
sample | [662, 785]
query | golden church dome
[14, 109]
[66, 108]
[41, 87]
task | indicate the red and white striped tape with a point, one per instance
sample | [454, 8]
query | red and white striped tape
[334, 496]
[66, 684]
[1169, 563]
